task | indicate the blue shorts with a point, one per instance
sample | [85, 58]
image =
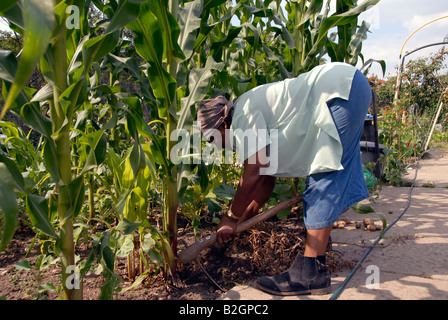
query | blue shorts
[327, 195]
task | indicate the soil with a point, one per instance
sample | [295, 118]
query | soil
[267, 249]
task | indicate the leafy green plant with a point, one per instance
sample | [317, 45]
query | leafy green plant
[305, 33]
[43, 262]
[65, 58]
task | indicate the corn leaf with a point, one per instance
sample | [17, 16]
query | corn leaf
[96, 48]
[126, 13]
[37, 208]
[8, 206]
[198, 84]
[148, 40]
[170, 29]
[6, 4]
[191, 21]
[77, 192]
[39, 22]
[14, 171]
[8, 69]
[14, 16]
[333, 21]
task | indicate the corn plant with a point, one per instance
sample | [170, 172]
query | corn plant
[65, 54]
[305, 27]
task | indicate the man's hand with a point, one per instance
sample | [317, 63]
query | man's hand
[226, 229]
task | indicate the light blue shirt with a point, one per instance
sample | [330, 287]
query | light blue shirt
[292, 117]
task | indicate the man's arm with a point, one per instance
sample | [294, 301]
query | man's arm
[253, 191]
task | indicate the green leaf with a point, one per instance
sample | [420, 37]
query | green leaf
[8, 206]
[24, 265]
[126, 245]
[6, 4]
[213, 205]
[198, 84]
[8, 69]
[156, 257]
[314, 8]
[362, 208]
[37, 208]
[17, 177]
[366, 66]
[333, 21]
[383, 219]
[73, 96]
[133, 68]
[44, 94]
[157, 148]
[148, 41]
[51, 160]
[96, 48]
[137, 282]
[39, 22]
[77, 192]
[14, 15]
[217, 46]
[126, 13]
[49, 286]
[224, 192]
[282, 215]
[148, 242]
[30, 112]
[191, 21]
[170, 29]
[109, 258]
[355, 45]
[8, 65]
[128, 227]
[98, 149]
[137, 159]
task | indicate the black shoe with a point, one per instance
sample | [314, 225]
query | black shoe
[298, 281]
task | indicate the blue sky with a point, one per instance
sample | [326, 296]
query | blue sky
[393, 21]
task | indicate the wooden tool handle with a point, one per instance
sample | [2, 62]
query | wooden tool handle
[192, 252]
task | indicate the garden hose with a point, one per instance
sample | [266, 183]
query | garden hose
[341, 288]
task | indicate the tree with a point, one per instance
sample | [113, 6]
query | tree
[424, 81]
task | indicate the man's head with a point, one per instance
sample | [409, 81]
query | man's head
[214, 114]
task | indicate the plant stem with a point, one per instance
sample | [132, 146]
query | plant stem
[171, 197]
[91, 199]
[170, 204]
[62, 140]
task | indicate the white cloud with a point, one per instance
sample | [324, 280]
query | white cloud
[397, 19]
[418, 20]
